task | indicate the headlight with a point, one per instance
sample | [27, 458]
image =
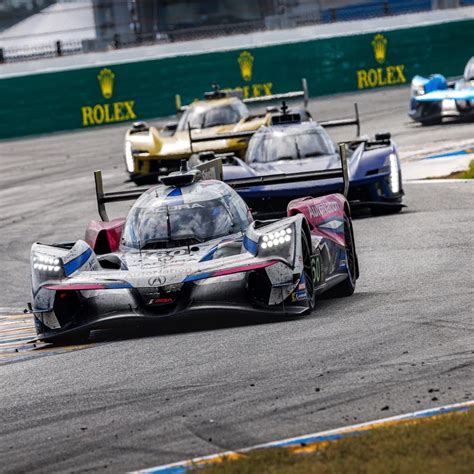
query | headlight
[44, 263]
[277, 238]
[280, 242]
[129, 163]
[394, 178]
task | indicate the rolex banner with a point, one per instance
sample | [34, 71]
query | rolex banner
[115, 93]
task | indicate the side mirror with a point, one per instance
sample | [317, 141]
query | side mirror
[140, 127]
[272, 109]
[383, 136]
[170, 127]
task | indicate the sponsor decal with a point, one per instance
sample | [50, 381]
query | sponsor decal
[300, 292]
[318, 210]
[316, 269]
[246, 62]
[299, 296]
[246, 65]
[160, 300]
[106, 82]
[157, 281]
[109, 112]
[383, 75]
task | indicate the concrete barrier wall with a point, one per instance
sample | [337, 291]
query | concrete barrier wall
[98, 96]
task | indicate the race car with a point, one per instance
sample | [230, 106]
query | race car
[434, 98]
[289, 145]
[191, 246]
[150, 153]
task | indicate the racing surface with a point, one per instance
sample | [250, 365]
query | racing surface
[138, 398]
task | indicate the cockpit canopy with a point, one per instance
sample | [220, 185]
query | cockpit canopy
[168, 217]
[206, 115]
[294, 142]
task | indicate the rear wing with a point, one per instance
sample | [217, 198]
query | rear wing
[303, 93]
[209, 170]
[248, 133]
[288, 178]
[293, 95]
[345, 121]
[213, 170]
[216, 137]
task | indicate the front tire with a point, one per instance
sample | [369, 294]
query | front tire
[141, 180]
[384, 211]
[430, 114]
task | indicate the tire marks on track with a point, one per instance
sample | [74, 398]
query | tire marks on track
[16, 333]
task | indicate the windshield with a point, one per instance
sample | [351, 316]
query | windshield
[184, 219]
[280, 145]
[205, 117]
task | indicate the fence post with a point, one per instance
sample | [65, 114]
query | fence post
[59, 51]
[116, 41]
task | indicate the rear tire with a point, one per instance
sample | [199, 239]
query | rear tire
[347, 287]
[430, 113]
[429, 122]
[141, 180]
[385, 211]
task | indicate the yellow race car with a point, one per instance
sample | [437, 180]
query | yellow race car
[151, 152]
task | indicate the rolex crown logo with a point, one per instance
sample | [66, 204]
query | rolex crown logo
[379, 44]
[246, 65]
[106, 82]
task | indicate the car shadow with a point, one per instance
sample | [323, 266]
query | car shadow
[447, 121]
[184, 325]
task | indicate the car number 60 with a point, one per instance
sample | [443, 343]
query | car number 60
[316, 268]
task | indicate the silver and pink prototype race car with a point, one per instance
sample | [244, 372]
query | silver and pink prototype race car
[190, 245]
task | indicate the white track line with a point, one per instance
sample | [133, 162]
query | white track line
[437, 181]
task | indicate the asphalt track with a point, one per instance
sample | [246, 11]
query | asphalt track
[134, 399]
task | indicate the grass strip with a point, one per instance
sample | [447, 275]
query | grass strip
[468, 174]
[443, 444]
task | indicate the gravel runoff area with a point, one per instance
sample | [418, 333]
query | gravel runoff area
[403, 342]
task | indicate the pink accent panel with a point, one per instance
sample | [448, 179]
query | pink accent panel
[76, 286]
[112, 231]
[244, 268]
[319, 210]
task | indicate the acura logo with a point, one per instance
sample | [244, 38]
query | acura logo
[157, 281]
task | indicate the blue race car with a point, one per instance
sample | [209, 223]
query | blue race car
[434, 98]
[289, 146]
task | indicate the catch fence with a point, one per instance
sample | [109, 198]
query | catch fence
[30, 47]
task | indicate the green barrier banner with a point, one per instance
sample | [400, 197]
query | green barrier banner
[98, 96]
